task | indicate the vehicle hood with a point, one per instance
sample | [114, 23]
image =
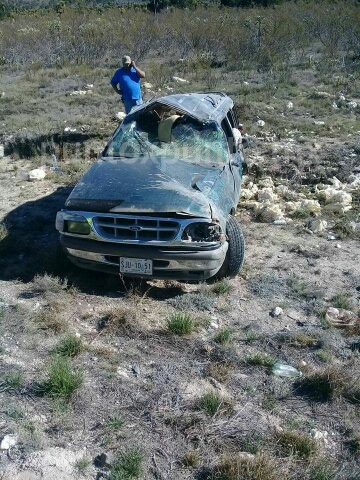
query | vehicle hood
[146, 185]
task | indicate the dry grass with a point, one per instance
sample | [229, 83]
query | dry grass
[219, 370]
[292, 443]
[329, 384]
[45, 284]
[115, 320]
[51, 317]
[236, 467]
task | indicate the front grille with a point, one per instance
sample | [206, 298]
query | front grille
[135, 229]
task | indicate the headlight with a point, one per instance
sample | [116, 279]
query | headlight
[79, 227]
[72, 223]
[202, 232]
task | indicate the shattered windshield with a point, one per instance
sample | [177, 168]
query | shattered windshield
[173, 136]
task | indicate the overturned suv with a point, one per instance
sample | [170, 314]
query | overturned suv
[159, 202]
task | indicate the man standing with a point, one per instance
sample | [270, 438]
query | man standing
[126, 82]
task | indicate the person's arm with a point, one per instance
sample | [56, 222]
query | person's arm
[116, 88]
[141, 73]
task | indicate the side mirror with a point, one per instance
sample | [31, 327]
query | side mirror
[245, 142]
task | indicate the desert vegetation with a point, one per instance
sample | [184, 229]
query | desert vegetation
[163, 379]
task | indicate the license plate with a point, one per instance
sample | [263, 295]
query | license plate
[140, 266]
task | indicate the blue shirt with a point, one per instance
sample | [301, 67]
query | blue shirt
[129, 82]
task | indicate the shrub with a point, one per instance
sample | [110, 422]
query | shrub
[193, 302]
[190, 459]
[180, 324]
[51, 318]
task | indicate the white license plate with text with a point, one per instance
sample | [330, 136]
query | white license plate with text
[141, 266]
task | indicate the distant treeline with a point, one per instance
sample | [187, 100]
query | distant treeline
[321, 34]
[9, 7]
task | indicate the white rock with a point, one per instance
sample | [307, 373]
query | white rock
[282, 221]
[80, 92]
[331, 237]
[36, 174]
[260, 123]
[147, 85]
[290, 106]
[89, 86]
[120, 116]
[179, 80]
[318, 225]
[2, 151]
[352, 105]
[319, 122]
[342, 98]
[266, 195]
[269, 213]
[338, 245]
[245, 83]
[277, 311]
[334, 105]
[311, 206]
[266, 182]
[8, 441]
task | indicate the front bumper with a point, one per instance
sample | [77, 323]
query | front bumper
[177, 263]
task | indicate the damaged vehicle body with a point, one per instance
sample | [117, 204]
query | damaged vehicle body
[160, 200]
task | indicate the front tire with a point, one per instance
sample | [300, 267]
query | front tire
[236, 251]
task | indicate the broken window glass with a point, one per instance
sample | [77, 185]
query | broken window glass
[177, 137]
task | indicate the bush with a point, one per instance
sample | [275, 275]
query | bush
[70, 346]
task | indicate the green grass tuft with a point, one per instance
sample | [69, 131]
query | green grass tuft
[61, 379]
[292, 443]
[222, 287]
[261, 360]
[210, 402]
[13, 380]
[223, 336]
[115, 422]
[128, 466]
[180, 324]
[70, 346]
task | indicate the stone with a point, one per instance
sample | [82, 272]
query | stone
[338, 245]
[266, 195]
[266, 182]
[276, 312]
[352, 105]
[105, 460]
[8, 441]
[2, 151]
[120, 116]
[310, 206]
[179, 80]
[136, 370]
[147, 85]
[36, 175]
[341, 318]
[319, 122]
[260, 123]
[290, 106]
[318, 225]
[282, 221]
[270, 213]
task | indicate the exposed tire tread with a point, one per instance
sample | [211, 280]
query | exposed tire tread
[236, 252]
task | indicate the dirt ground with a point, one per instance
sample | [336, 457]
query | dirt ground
[152, 379]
